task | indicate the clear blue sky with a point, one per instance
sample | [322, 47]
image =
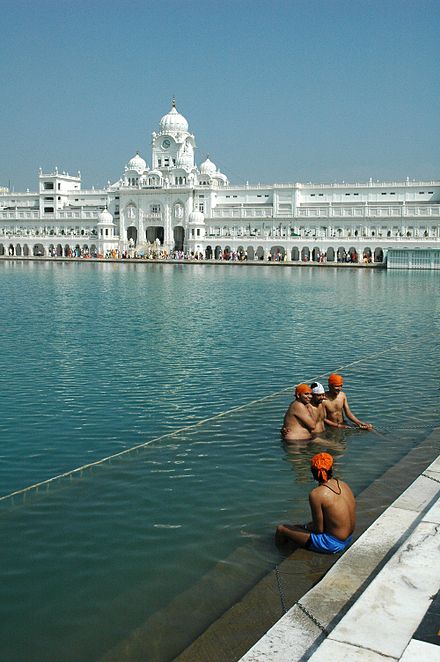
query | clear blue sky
[274, 91]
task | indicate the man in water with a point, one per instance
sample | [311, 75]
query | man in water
[333, 509]
[299, 422]
[318, 408]
[336, 406]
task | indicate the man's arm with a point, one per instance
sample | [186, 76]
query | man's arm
[305, 417]
[349, 414]
[317, 514]
[332, 424]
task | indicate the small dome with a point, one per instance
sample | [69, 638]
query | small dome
[196, 217]
[137, 163]
[173, 121]
[208, 167]
[105, 218]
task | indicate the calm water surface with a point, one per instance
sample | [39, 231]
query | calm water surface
[98, 358]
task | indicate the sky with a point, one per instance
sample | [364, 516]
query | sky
[274, 91]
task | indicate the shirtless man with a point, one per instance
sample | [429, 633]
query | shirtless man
[318, 408]
[299, 422]
[333, 509]
[336, 405]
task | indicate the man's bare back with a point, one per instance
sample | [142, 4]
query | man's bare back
[333, 508]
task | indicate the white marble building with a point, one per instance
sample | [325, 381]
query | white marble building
[181, 206]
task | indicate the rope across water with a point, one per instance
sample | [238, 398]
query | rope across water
[90, 465]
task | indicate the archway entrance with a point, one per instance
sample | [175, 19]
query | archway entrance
[378, 255]
[38, 250]
[366, 257]
[295, 254]
[305, 254]
[353, 254]
[259, 253]
[341, 254]
[250, 253]
[277, 253]
[179, 238]
[132, 234]
[316, 254]
[155, 232]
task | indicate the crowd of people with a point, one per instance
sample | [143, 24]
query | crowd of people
[157, 253]
[314, 412]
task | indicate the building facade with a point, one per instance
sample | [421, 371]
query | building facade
[175, 205]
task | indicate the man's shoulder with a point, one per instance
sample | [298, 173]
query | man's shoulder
[317, 492]
[345, 486]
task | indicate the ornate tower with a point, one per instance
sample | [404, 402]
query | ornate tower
[173, 148]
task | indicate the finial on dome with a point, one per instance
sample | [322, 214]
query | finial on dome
[173, 102]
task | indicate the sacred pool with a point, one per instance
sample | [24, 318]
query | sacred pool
[189, 368]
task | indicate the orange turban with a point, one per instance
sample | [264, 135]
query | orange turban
[335, 380]
[322, 463]
[302, 388]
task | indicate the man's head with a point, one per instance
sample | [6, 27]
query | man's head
[322, 467]
[335, 383]
[318, 392]
[303, 393]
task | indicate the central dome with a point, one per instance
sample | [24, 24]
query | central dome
[173, 121]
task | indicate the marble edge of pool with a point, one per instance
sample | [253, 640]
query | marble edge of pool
[316, 591]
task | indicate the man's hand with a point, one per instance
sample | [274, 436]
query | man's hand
[365, 426]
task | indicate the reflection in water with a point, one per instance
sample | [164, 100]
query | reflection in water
[299, 453]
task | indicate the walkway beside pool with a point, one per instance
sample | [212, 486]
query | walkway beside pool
[232, 263]
[380, 599]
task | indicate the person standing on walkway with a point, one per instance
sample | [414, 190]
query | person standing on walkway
[333, 509]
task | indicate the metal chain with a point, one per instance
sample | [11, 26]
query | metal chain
[313, 619]
[280, 591]
[431, 478]
[303, 609]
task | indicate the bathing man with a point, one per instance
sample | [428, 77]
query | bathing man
[299, 422]
[318, 408]
[336, 405]
[333, 509]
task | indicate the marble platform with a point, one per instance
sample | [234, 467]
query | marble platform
[371, 602]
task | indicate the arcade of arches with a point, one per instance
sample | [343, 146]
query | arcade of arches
[296, 254]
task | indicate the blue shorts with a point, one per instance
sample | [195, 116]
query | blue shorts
[326, 543]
